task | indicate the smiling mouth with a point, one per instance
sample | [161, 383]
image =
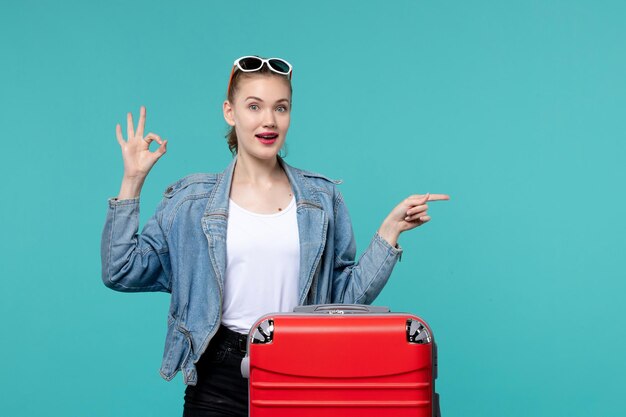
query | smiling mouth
[267, 135]
[267, 138]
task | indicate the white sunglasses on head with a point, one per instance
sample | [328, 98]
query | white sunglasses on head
[251, 63]
[254, 63]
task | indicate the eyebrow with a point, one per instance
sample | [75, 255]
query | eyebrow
[260, 99]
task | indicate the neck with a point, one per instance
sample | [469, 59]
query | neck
[256, 171]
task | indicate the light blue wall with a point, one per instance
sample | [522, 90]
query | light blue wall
[516, 109]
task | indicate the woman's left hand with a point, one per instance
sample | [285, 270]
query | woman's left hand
[409, 214]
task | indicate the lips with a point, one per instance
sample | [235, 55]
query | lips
[267, 138]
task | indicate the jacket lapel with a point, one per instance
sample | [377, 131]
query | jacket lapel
[312, 226]
[215, 220]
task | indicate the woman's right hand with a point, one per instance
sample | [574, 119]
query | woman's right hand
[138, 159]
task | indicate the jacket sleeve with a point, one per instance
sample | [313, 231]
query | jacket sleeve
[359, 282]
[133, 262]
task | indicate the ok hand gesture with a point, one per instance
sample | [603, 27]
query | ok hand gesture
[138, 159]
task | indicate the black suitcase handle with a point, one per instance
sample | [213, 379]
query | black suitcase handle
[340, 309]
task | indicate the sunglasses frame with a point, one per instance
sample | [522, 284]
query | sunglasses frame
[264, 61]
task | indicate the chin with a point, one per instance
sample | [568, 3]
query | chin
[264, 154]
[269, 152]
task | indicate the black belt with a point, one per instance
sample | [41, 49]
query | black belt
[231, 338]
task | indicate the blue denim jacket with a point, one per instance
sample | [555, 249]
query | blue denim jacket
[182, 250]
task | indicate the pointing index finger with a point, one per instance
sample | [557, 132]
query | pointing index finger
[438, 197]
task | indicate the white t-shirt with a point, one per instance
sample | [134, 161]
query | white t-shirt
[262, 265]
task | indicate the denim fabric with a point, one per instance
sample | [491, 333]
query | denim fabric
[182, 250]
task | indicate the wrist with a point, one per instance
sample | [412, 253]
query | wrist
[390, 233]
[131, 187]
[134, 178]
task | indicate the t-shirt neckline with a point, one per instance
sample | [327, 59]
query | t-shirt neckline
[278, 213]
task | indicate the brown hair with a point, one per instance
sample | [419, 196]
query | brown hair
[231, 135]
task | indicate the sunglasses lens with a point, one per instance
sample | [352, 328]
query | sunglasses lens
[250, 63]
[279, 65]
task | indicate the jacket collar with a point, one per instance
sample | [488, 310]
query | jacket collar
[218, 200]
[301, 187]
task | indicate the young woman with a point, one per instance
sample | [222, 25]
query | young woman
[259, 237]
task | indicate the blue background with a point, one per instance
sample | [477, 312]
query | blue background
[514, 108]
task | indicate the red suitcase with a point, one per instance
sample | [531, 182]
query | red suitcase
[341, 360]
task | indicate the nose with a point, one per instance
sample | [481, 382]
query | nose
[269, 119]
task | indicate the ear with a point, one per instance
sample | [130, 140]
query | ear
[228, 113]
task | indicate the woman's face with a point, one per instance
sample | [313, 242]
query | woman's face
[260, 113]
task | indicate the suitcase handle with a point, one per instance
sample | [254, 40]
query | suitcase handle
[340, 309]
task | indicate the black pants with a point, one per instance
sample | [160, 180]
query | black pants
[221, 390]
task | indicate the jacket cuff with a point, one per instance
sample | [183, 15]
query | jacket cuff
[395, 251]
[114, 202]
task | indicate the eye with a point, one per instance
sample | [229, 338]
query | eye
[253, 107]
[281, 109]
